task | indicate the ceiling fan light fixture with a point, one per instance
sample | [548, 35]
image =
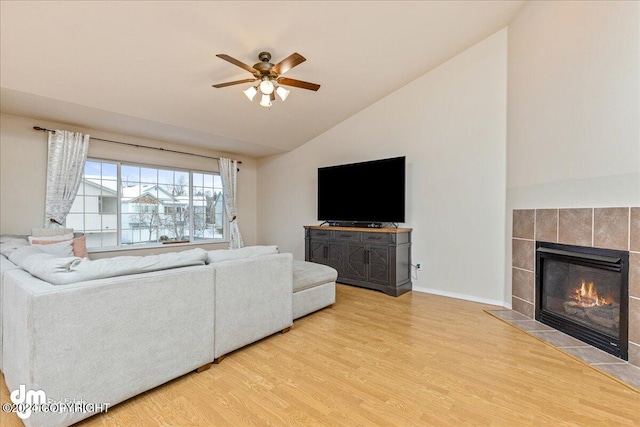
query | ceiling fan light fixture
[251, 92]
[266, 87]
[282, 93]
[266, 101]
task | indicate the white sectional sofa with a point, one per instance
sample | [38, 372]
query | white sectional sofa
[105, 340]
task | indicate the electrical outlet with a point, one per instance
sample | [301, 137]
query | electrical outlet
[418, 266]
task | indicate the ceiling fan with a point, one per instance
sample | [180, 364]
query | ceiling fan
[269, 77]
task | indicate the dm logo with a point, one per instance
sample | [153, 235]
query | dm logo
[25, 400]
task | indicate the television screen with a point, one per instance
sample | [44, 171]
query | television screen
[364, 192]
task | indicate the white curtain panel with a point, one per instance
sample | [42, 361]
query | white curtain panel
[67, 156]
[229, 175]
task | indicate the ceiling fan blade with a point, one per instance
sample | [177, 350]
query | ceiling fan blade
[288, 63]
[237, 82]
[298, 83]
[240, 64]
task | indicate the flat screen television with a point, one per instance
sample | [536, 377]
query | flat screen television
[367, 192]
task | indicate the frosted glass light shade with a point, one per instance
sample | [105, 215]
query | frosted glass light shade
[282, 93]
[266, 101]
[266, 87]
[251, 93]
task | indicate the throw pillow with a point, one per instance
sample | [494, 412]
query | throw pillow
[79, 245]
[46, 232]
[61, 249]
[57, 238]
[63, 271]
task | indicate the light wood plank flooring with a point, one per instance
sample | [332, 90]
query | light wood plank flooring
[375, 360]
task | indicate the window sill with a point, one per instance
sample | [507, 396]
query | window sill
[156, 246]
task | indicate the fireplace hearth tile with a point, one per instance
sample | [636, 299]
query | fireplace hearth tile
[634, 354]
[635, 229]
[531, 325]
[521, 306]
[634, 320]
[523, 254]
[634, 274]
[592, 355]
[547, 225]
[625, 371]
[611, 228]
[559, 339]
[575, 227]
[523, 223]
[523, 285]
[509, 315]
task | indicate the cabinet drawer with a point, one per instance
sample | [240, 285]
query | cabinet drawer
[347, 236]
[376, 237]
[321, 234]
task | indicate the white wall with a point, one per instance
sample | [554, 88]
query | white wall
[573, 107]
[23, 171]
[450, 124]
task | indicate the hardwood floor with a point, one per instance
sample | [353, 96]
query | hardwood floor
[375, 360]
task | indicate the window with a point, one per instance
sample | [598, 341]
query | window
[108, 204]
[122, 205]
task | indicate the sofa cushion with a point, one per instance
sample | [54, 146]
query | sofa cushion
[309, 274]
[8, 245]
[7, 237]
[246, 252]
[63, 271]
[19, 255]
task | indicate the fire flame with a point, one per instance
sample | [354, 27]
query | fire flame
[587, 296]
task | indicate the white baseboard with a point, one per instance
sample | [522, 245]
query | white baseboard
[461, 296]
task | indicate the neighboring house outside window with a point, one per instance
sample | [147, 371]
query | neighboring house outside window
[156, 205]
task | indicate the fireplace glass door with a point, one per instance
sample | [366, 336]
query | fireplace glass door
[583, 292]
[586, 295]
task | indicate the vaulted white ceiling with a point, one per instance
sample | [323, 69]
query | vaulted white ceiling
[146, 68]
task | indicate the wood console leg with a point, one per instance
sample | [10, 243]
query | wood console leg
[218, 359]
[285, 330]
[203, 368]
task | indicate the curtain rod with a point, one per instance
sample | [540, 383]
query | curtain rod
[139, 146]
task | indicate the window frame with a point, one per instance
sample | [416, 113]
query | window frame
[148, 245]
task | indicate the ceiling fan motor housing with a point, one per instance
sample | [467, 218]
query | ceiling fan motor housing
[264, 56]
[264, 67]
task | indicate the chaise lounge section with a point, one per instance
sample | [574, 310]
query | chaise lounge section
[314, 287]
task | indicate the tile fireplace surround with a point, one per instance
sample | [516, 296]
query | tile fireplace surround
[607, 228]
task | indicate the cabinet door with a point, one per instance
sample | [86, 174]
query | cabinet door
[316, 252]
[356, 267]
[335, 256]
[378, 263]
